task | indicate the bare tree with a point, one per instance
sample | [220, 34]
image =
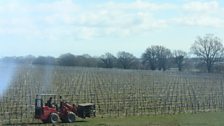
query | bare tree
[126, 60]
[179, 56]
[156, 57]
[86, 60]
[45, 60]
[67, 59]
[209, 48]
[149, 58]
[163, 55]
[108, 60]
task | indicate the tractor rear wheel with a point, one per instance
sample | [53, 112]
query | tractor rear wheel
[54, 118]
[71, 117]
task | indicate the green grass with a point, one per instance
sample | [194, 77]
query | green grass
[201, 119]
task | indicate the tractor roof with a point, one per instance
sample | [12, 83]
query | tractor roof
[86, 104]
[47, 94]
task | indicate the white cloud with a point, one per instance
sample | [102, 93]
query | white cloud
[57, 19]
[202, 14]
[199, 6]
[200, 20]
[42, 20]
[138, 5]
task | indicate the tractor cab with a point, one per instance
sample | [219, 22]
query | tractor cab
[46, 108]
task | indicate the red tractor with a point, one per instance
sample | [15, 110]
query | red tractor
[51, 112]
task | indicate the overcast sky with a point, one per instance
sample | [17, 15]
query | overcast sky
[54, 27]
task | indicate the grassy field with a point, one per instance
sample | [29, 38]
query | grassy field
[200, 119]
[119, 94]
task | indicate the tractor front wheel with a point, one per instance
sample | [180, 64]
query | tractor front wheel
[54, 118]
[71, 117]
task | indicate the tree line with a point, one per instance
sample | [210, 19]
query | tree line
[208, 53]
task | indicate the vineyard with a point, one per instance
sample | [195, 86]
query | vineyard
[116, 93]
